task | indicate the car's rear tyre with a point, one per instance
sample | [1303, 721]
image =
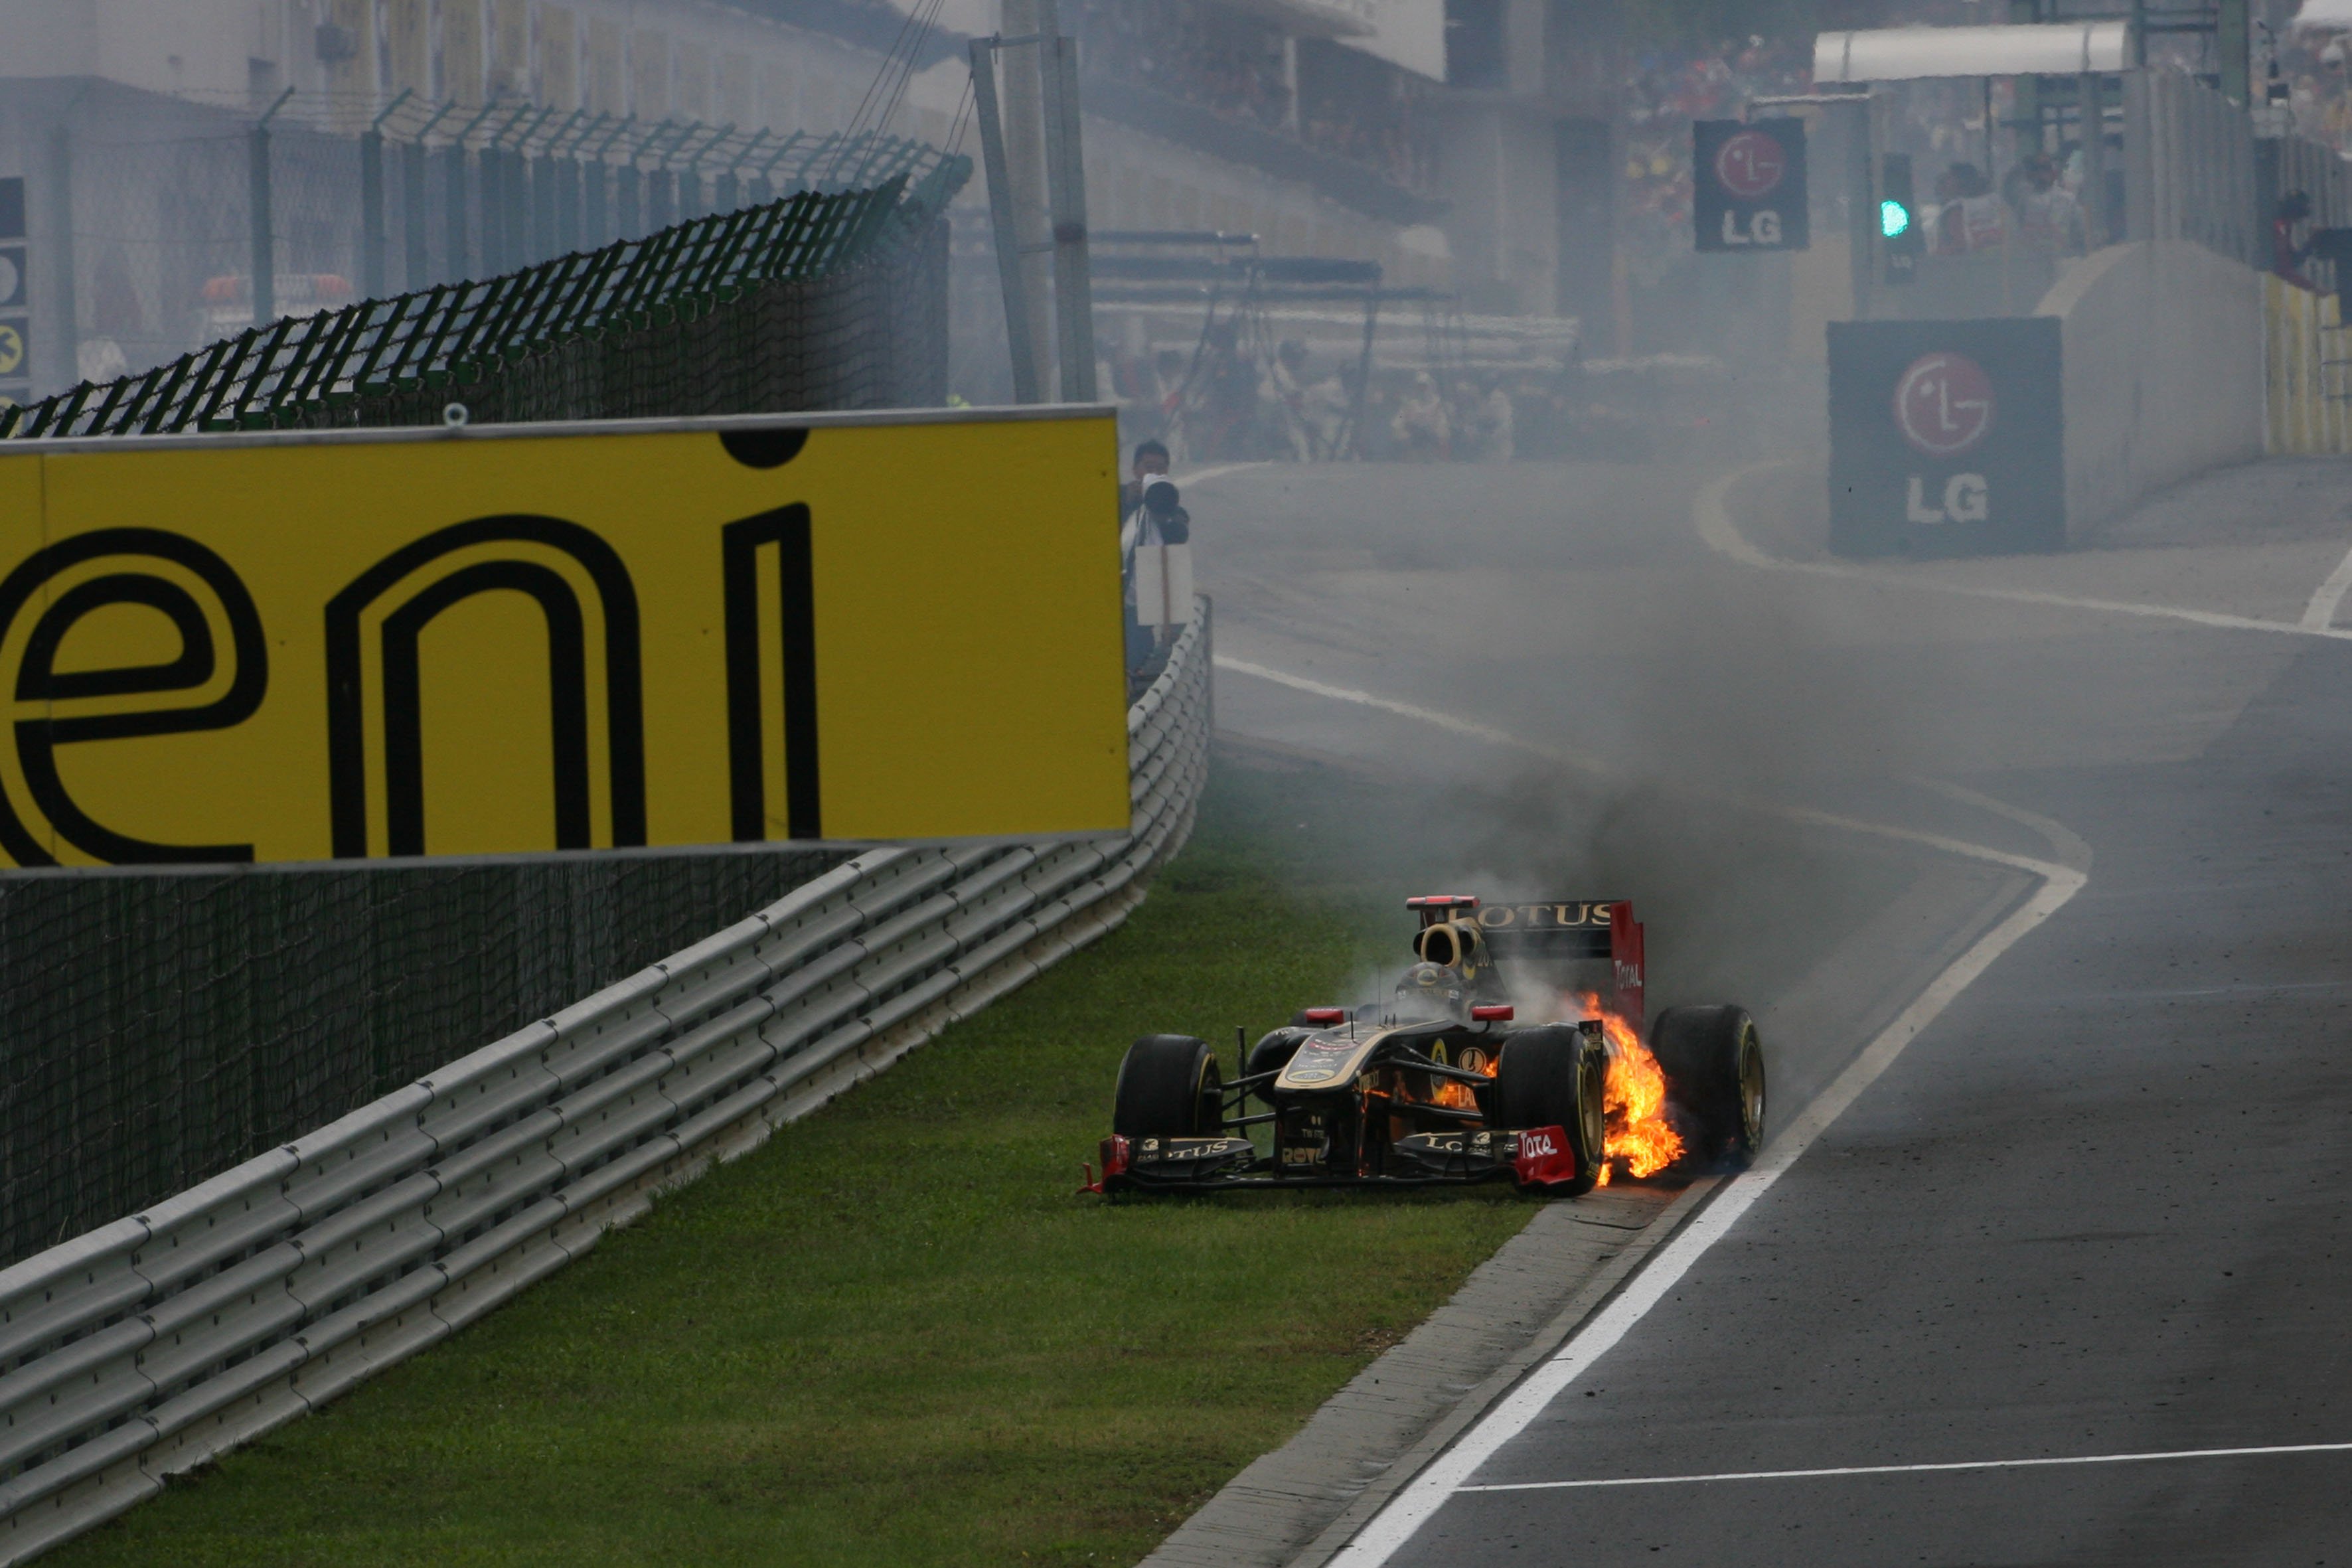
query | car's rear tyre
[1557, 1077]
[1169, 1087]
[1713, 1063]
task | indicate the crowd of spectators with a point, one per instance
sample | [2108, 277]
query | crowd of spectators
[2313, 65]
[1663, 91]
[1222, 62]
[1192, 51]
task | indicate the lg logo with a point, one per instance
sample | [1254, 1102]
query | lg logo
[1967, 499]
[1944, 406]
[1763, 227]
[1749, 165]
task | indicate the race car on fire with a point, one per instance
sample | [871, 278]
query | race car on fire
[1441, 1082]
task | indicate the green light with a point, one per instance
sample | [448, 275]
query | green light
[1894, 219]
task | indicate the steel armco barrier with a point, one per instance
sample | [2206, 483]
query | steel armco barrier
[152, 1344]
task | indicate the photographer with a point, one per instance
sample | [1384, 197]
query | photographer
[1165, 575]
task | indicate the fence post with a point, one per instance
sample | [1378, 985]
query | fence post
[1065, 175]
[2139, 156]
[265, 251]
[372, 257]
[493, 236]
[994, 164]
[63, 325]
[457, 261]
[412, 212]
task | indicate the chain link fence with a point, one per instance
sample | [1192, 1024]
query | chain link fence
[155, 1030]
[815, 301]
[181, 213]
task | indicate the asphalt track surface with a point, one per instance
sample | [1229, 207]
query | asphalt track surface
[2095, 1210]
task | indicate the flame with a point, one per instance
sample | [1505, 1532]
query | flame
[1457, 1095]
[1639, 1134]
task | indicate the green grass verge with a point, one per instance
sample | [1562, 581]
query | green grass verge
[893, 1335]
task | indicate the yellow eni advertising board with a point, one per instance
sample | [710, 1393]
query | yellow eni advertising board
[305, 646]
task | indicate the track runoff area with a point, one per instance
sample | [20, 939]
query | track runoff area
[1964, 1329]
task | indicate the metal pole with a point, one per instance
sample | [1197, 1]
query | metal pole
[597, 231]
[2091, 130]
[372, 244]
[731, 192]
[372, 257]
[264, 250]
[1022, 115]
[691, 175]
[418, 269]
[2233, 50]
[763, 188]
[1863, 213]
[64, 330]
[453, 191]
[1074, 328]
[1000, 213]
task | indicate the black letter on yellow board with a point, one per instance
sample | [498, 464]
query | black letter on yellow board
[39, 681]
[567, 680]
[787, 528]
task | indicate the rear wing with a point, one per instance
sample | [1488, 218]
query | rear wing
[1561, 931]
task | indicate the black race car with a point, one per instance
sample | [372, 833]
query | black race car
[1435, 1085]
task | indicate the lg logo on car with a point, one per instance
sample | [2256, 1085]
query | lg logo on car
[1944, 406]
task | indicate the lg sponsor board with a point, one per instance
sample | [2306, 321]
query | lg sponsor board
[267, 648]
[1748, 185]
[1945, 438]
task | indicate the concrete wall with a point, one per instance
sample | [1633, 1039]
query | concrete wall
[2163, 352]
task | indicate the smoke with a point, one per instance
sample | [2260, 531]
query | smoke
[1574, 605]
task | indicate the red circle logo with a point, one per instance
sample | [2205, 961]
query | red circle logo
[1749, 164]
[1943, 405]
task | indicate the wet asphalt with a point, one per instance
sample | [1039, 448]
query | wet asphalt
[2098, 1208]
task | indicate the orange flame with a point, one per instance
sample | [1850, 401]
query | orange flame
[1639, 1134]
[1456, 1094]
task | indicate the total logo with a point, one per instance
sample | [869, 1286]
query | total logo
[1944, 406]
[1536, 1144]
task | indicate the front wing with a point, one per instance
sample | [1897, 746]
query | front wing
[1533, 1157]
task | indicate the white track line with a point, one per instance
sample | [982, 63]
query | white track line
[2072, 851]
[1916, 1470]
[1203, 475]
[1471, 728]
[1715, 527]
[2320, 614]
[1397, 1523]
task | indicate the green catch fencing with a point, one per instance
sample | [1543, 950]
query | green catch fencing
[816, 300]
[156, 1029]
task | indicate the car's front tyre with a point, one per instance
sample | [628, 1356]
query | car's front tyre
[1557, 1077]
[1169, 1085]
